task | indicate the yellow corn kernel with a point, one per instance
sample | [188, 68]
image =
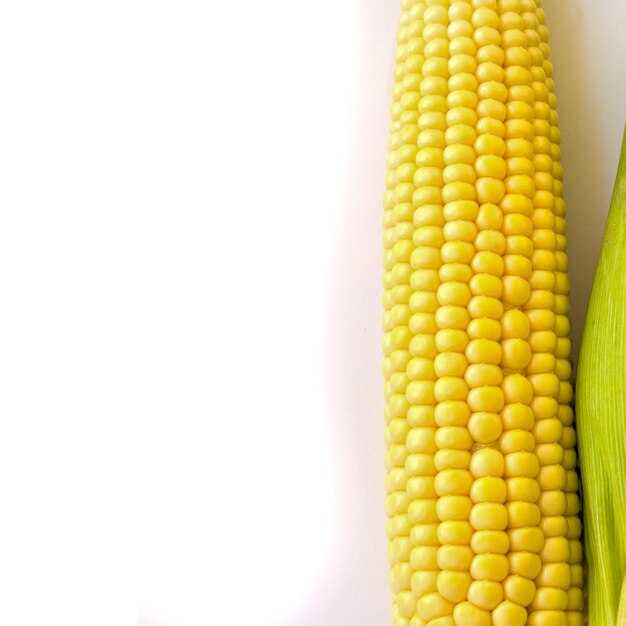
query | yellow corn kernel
[488, 516]
[469, 614]
[490, 541]
[453, 585]
[485, 428]
[509, 614]
[485, 594]
[487, 462]
[519, 589]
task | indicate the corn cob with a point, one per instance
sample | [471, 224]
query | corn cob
[482, 500]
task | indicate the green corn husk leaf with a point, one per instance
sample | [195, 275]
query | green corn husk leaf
[601, 420]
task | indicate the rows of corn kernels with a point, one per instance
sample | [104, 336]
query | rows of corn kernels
[482, 490]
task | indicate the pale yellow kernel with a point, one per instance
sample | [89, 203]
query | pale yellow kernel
[485, 306]
[454, 533]
[545, 384]
[524, 564]
[490, 126]
[487, 462]
[481, 375]
[490, 53]
[460, 210]
[455, 272]
[521, 464]
[519, 589]
[490, 542]
[541, 279]
[575, 600]
[452, 459]
[452, 413]
[518, 244]
[450, 364]
[545, 407]
[449, 388]
[396, 504]
[515, 354]
[460, 134]
[489, 190]
[421, 439]
[453, 508]
[484, 328]
[523, 488]
[491, 108]
[515, 290]
[517, 389]
[468, 614]
[454, 293]
[452, 317]
[522, 514]
[457, 252]
[541, 363]
[549, 598]
[421, 487]
[433, 605]
[430, 236]
[490, 166]
[459, 154]
[509, 614]
[491, 240]
[420, 368]
[488, 516]
[542, 320]
[423, 581]
[464, 81]
[453, 340]
[488, 489]
[485, 17]
[421, 392]
[489, 144]
[423, 302]
[429, 157]
[420, 464]
[555, 550]
[490, 566]
[455, 558]
[453, 585]
[462, 98]
[485, 594]
[453, 438]
[405, 605]
[517, 203]
[453, 482]
[516, 441]
[526, 539]
[489, 71]
[483, 262]
[483, 351]
[554, 575]
[426, 257]
[423, 512]
[552, 477]
[460, 28]
[489, 216]
[486, 285]
[493, 91]
[428, 215]
[485, 428]
[461, 116]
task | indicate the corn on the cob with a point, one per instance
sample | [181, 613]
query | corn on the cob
[482, 492]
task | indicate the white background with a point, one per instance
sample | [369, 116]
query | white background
[190, 251]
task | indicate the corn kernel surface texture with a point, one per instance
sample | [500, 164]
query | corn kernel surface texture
[481, 487]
